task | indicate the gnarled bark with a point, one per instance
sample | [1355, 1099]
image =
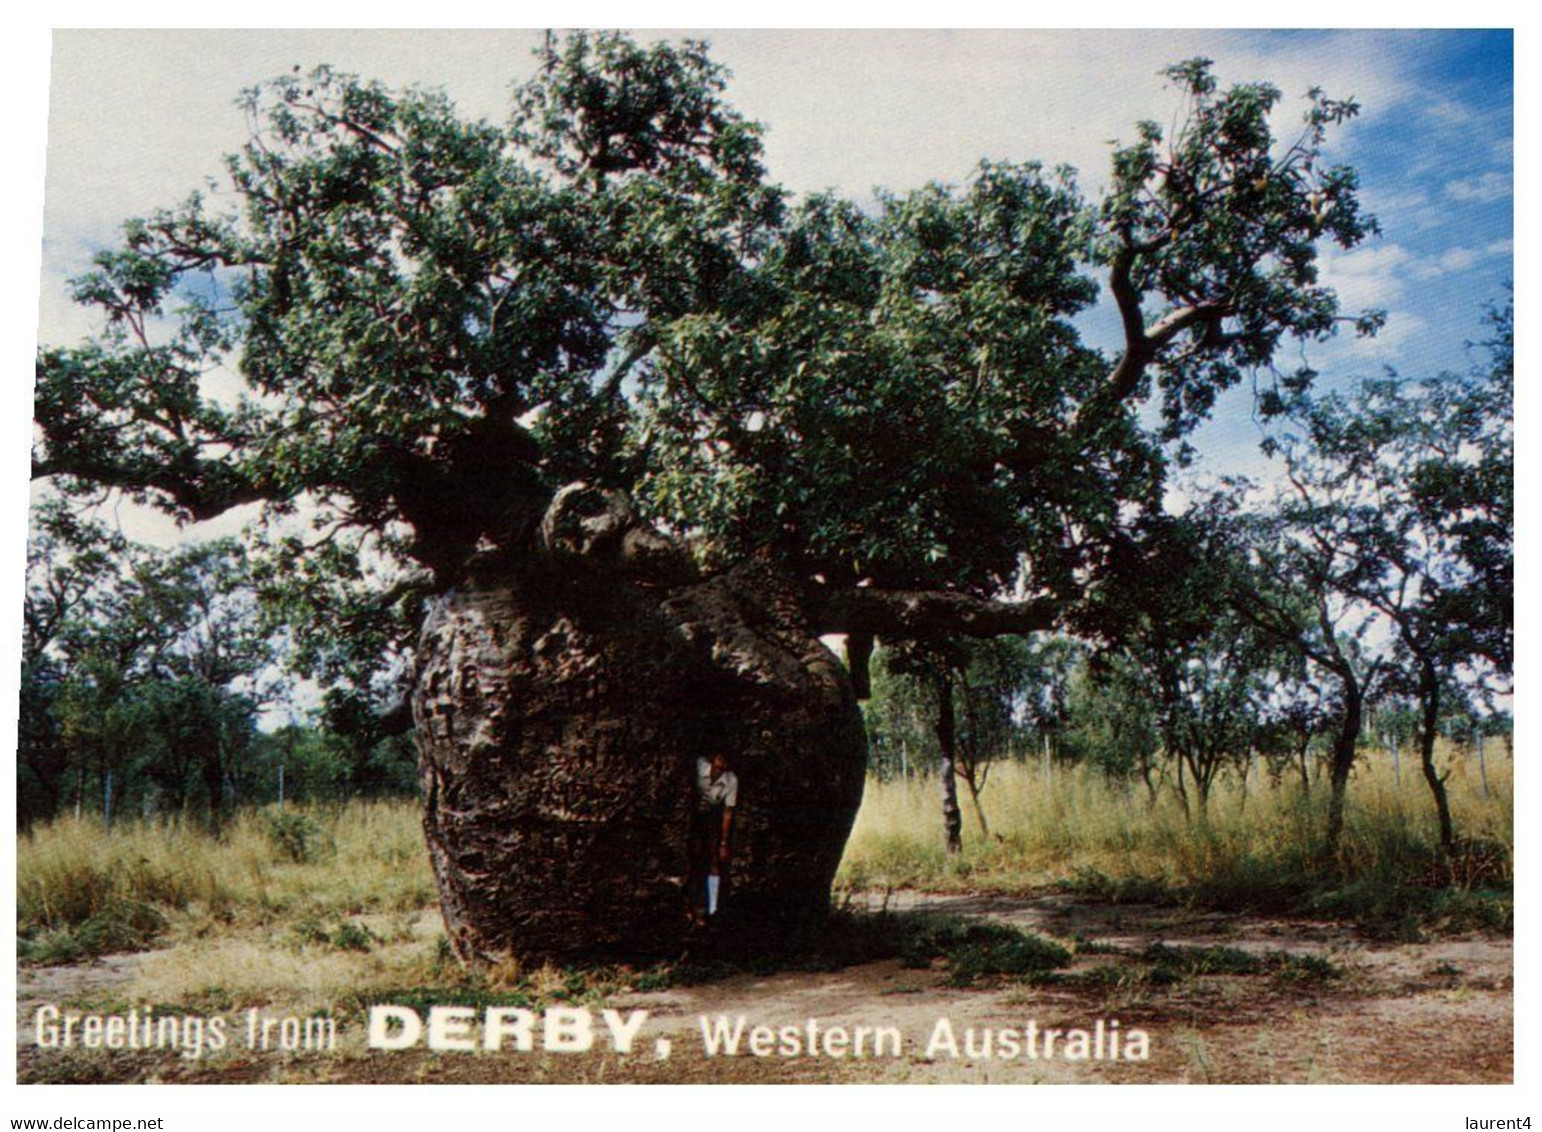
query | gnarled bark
[561, 703]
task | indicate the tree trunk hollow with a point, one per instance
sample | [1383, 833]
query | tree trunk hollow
[560, 711]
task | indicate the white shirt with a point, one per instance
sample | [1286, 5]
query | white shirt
[720, 791]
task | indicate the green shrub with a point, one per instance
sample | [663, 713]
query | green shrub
[294, 836]
[350, 936]
[973, 949]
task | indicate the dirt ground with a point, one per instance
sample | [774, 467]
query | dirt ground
[1433, 1012]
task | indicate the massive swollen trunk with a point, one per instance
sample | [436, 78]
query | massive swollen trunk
[561, 702]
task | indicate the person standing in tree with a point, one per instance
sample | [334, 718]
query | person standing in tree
[712, 820]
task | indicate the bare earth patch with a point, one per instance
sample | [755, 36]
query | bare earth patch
[1435, 1012]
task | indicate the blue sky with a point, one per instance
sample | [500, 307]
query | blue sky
[140, 118]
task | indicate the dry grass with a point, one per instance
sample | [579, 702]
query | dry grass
[81, 887]
[315, 907]
[248, 968]
[1084, 823]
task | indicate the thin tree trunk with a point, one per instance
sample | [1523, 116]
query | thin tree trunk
[1183, 793]
[972, 773]
[1483, 767]
[1202, 783]
[214, 787]
[979, 810]
[1429, 699]
[1344, 744]
[947, 742]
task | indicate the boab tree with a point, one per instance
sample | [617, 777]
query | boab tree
[641, 428]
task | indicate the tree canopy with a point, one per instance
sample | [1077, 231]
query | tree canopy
[413, 328]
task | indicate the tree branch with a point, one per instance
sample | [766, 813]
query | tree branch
[198, 499]
[918, 614]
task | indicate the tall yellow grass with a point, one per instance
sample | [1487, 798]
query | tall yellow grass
[238, 913]
[1076, 820]
[365, 857]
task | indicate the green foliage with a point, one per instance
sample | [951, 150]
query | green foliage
[121, 925]
[1112, 721]
[438, 321]
[97, 908]
[1165, 965]
[143, 674]
[1204, 960]
[974, 949]
[295, 836]
[899, 717]
[1389, 901]
[347, 935]
[895, 360]
[1091, 882]
[1215, 218]
[352, 936]
[1388, 909]
[143, 671]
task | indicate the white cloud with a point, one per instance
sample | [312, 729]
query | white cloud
[1347, 348]
[1446, 112]
[1482, 189]
[1461, 259]
[1379, 275]
[1382, 276]
[896, 108]
[139, 118]
[1369, 276]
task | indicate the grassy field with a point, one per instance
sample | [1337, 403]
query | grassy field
[1257, 848]
[328, 898]
[316, 901]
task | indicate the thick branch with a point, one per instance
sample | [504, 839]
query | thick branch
[206, 492]
[1138, 350]
[1142, 345]
[921, 614]
[396, 719]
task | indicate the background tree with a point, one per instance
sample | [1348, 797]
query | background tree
[1298, 583]
[898, 718]
[995, 683]
[68, 561]
[147, 669]
[1419, 480]
[1209, 690]
[1204, 670]
[1294, 717]
[1114, 721]
[960, 710]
